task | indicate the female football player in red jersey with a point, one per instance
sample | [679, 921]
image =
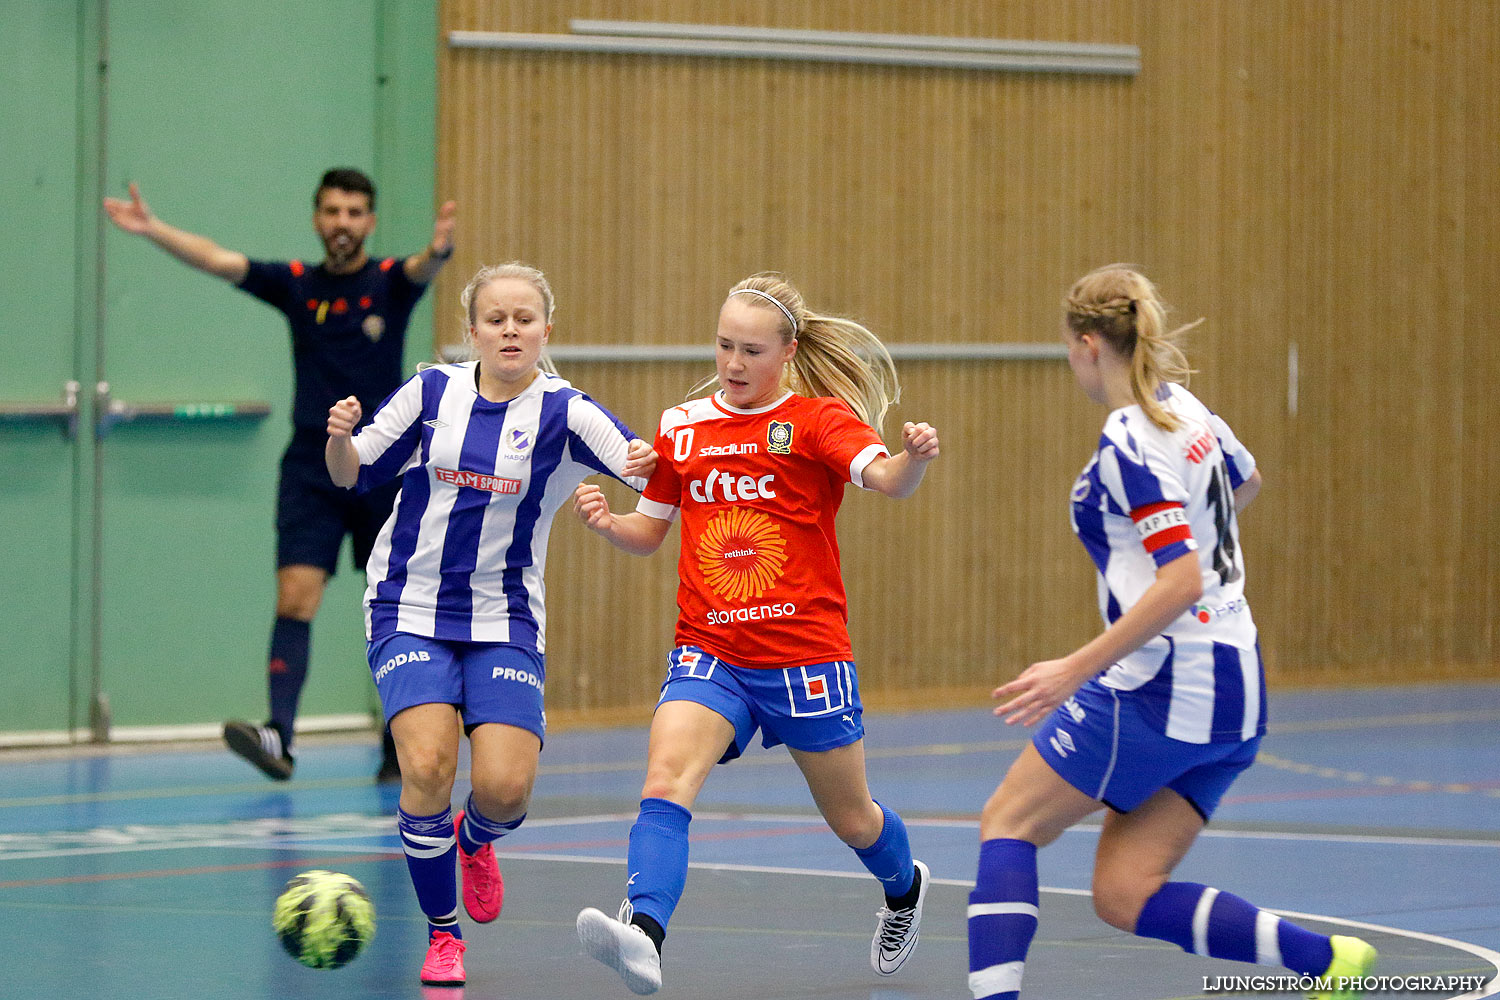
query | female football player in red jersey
[758, 471]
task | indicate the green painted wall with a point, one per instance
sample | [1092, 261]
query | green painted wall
[39, 116]
[225, 113]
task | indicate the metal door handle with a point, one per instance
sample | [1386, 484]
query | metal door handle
[113, 412]
[65, 412]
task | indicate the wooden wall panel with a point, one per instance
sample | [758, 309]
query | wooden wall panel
[1308, 176]
[1476, 625]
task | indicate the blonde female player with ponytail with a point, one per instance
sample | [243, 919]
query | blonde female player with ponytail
[1157, 715]
[757, 471]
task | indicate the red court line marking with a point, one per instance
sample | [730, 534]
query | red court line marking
[1312, 795]
[696, 838]
[313, 862]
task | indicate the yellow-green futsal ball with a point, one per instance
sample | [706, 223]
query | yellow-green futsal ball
[324, 919]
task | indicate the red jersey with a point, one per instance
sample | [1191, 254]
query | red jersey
[758, 490]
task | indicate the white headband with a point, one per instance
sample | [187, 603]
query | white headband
[774, 301]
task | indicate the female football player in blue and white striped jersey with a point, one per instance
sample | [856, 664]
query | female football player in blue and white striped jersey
[486, 451]
[1157, 715]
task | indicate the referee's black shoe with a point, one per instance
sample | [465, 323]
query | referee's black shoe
[261, 746]
[390, 767]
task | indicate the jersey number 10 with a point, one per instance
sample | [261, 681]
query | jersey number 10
[1221, 499]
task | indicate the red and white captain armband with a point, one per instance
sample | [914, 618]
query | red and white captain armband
[1161, 524]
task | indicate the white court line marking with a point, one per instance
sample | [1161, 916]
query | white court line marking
[358, 826]
[1491, 987]
[1333, 838]
[290, 833]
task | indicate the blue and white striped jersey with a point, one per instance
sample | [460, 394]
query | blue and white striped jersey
[462, 554]
[1147, 497]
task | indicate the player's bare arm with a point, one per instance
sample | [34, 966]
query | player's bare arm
[899, 475]
[1043, 686]
[134, 216]
[340, 454]
[636, 533]
[1248, 491]
[423, 266]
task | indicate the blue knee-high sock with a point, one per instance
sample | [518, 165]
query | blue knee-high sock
[477, 830]
[431, 854]
[1002, 918]
[658, 859]
[286, 672]
[889, 858]
[1204, 921]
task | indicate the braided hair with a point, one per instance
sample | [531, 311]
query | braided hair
[1121, 305]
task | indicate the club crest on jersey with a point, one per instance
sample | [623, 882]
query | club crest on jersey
[374, 327]
[520, 438]
[779, 438]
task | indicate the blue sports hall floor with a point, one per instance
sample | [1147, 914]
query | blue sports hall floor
[149, 872]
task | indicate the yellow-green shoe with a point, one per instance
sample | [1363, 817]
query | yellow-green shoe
[1352, 959]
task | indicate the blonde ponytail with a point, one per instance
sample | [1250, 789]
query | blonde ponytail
[1121, 305]
[835, 357]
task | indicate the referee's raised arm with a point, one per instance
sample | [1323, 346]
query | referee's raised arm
[422, 266]
[135, 216]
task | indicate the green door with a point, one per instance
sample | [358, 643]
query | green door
[45, 496]
[226, 122]
[140, 553]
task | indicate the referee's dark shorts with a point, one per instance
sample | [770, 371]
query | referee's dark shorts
[313, 515]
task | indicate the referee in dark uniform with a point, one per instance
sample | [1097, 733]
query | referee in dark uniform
[348, 317]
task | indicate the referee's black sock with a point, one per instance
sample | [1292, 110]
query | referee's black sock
[286, 671]
[655, 931]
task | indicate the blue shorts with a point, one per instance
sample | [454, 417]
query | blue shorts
[1100, 742]
[811, 708]
[487, 681]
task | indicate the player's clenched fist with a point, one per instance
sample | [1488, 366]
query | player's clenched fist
[343, 417]
[640, 460]
[591, 506]
[920, 440]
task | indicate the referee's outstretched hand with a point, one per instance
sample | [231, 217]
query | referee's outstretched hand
[133, 216]
[343, 417]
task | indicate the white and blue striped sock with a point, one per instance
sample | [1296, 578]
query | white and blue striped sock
[1201, 920]
[431, 858]
[478, 829]
[1002, 918]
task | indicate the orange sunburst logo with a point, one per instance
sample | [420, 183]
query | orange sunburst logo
[741, 553]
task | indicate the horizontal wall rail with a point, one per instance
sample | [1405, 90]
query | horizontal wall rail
[864, 48]
[873, 39]
[63, 412]
[113, 412]
[587, 353]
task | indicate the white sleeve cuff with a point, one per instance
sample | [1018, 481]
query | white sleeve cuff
[656, 509]
[864, 458]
